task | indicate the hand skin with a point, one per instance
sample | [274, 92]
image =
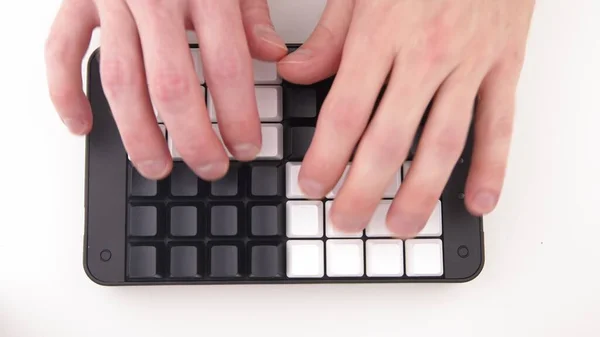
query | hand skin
[145, 58]
[453, 51]
[448, 51]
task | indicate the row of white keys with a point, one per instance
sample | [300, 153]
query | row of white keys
[264, 72]
[269, 100]
[272, 140]
[390, 192]
[377, 227]
[346, 258]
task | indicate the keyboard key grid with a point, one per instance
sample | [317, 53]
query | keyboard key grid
[255, 223]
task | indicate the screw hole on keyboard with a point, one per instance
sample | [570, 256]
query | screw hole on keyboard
[461, 196]
[463, 252]
[105, 255]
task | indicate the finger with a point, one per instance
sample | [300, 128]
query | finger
[438, 151]
[493, 132]
[124, 83]
[320, 56]
[345, 112]
[385, 144]
[65, 48]
[175, 89]
[265, 44]
[229, 76]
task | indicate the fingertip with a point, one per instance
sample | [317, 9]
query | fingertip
[77, 126]
[154, 169]
[404, 226]
[267, 45]
[212, 171]
[346, 223]
[481, 202]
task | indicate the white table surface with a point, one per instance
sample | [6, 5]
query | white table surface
[542, 252]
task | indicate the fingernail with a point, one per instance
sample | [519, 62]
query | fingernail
[246, 152]
[268, 34]
[485, 201]
[76, 126]
[212, 171]
[299, 56]
[311, 188]
[155, 169]
[405, 226]
[348, 224]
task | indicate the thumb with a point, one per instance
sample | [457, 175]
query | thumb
[319, 57]
[264, 43]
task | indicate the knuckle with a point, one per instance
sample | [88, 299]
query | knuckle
[116, 76]
[502, 127]
[169, 86]
[227, 69]
[447, 144]
[345, 123]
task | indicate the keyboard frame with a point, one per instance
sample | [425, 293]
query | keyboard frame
[105, 237]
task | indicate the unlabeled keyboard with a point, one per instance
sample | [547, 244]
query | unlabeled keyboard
[255, 225]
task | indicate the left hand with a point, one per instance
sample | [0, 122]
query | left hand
[453, 50]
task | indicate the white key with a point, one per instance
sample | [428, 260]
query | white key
[269, 101]
[345, 258]
[265, 73]
[304, 219]
[331, 231]
[377, 225]
[424, 258]
[405, 169]
[292, 189]
[336, 189]
[174, 153]
[198, 64]
[390, 192]
[304, 258]
[272, 142]
[394, 185]
[385, 258]
[433, 228]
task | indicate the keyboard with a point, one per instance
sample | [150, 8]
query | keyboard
[255, 226]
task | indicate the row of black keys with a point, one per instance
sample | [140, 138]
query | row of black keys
[220, 220]
[191, 261]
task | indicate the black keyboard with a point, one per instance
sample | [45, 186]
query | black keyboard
[255, 226]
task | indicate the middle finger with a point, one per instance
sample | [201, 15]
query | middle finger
[175, 88]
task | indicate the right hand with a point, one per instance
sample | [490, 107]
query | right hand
[146, 61]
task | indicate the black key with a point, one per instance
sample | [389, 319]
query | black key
[184, 221]
[140, 186]
[143, 221]
[266, 220]
[142, 262]
[184, 182]
[299, 140]
[224, 220]
[224, 261]
[299, 102]
[184, 261]
[266, 261]
[266, 181]
[228, 185]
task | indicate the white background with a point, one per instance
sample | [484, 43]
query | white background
[543, 256]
